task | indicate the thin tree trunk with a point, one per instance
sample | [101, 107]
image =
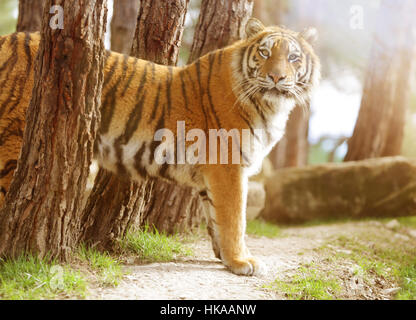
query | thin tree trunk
[116, 205]
[380, 124]
[123, 25]
[30, 15]
[220, 24]
[44, 203]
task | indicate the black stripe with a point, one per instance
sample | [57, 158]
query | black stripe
[169, 89]
[20, 86]
[28, 52]
[211, 65]
[163, 172]
[201, 92]
[107, 109]
[9, 167]
[154, 144]
[156, 103]
[2, 190]
[14, 53]
[125, 66]
[204, 195]
[109, 75]
[134, 119]
[137, 161]
[250, 125]
[13, 129]
[153, 72]
[131, 127]
[132, 123]
[133, 73]
[259, 111]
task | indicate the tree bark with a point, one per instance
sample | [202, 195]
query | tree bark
[220, 24]
[380, 124]
[160, 26]
[114, 205]
[30, 15]
[123, 25]
[44, 203]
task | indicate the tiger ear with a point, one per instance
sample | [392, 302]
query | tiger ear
[253, 27]
[310, 35]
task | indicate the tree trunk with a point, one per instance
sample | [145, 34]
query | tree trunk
[379, 128]
[370, 188]
[220, 24]
[116, 205]
[30, 15]
[159, 30]
[123, 25]
[44, 203]
[292, 150]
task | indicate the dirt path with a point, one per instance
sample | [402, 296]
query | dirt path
[203, 277]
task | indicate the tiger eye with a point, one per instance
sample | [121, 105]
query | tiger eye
[264, 53]
[293, 57]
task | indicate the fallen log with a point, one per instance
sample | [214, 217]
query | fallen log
[372, 188]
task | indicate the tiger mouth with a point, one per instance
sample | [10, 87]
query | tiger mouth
[276, 91]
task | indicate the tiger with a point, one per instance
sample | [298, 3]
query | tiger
[251, 85]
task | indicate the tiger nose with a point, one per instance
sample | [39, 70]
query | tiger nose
[276, 78]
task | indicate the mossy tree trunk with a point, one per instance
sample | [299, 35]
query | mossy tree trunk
[44, 203]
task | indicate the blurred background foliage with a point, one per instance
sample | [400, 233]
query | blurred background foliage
[8, 16]
[345, 53]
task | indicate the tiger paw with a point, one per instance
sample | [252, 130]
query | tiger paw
[247, 267]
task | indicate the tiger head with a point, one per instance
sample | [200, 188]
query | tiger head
[275, 62]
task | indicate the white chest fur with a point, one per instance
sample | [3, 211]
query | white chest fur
[269, 135]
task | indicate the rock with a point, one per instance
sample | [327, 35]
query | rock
[256, 198]
[393, 225]
[372, 188]
[391, 291]
[412, 233]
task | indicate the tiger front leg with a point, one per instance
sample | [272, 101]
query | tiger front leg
[227, 194]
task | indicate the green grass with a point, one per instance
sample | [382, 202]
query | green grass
[262, 229]
[407, 275]
[385, 258]
[151, 246]
[307, 284]
[408, 221]
[30, 278]
[108, 269]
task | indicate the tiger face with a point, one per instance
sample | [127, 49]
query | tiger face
[277, 62]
